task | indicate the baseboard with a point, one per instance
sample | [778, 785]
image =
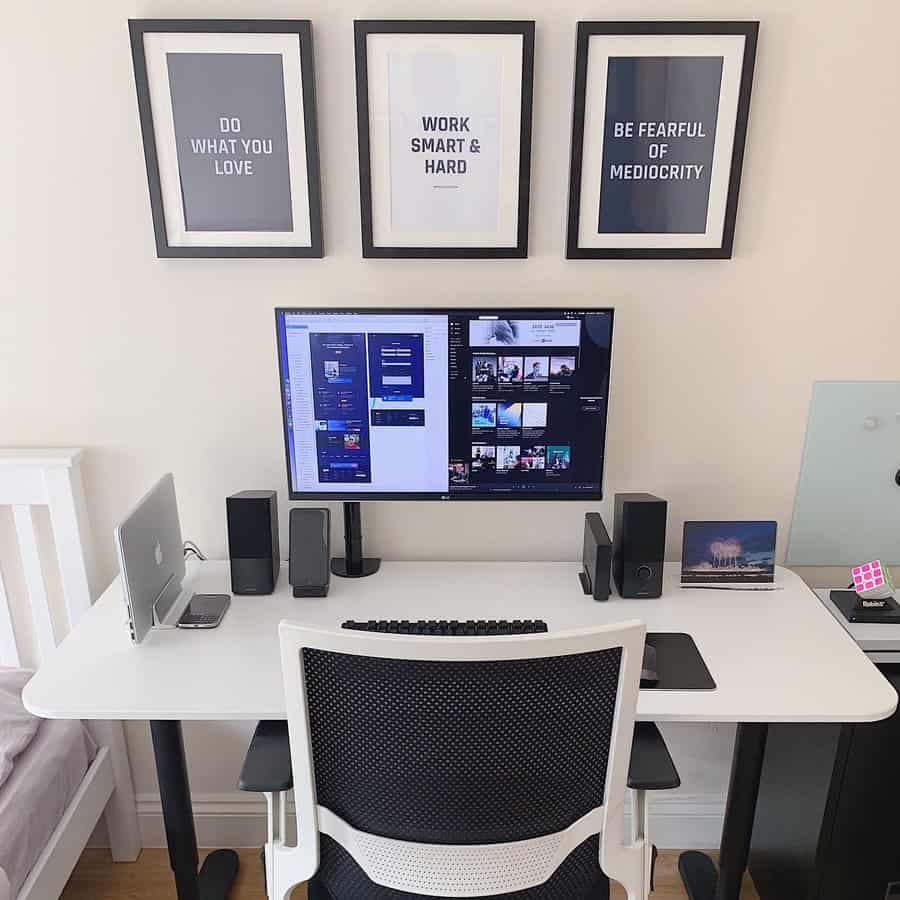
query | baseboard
[678, 820]
[221, 820]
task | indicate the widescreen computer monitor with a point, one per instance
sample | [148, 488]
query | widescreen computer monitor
[444, 404]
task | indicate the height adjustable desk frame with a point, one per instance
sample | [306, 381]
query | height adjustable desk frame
[776, 656]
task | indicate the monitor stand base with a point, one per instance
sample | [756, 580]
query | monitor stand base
[369, 566]
[353, 564]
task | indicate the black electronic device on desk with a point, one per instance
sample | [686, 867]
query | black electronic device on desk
[596, 558]
[858, 609]
[204, 611]
[309, 539]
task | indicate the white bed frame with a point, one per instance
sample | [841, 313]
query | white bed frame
[52, 478]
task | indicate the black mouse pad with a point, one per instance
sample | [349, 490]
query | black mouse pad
[678, 663]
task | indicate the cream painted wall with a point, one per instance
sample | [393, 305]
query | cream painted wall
[170, 365]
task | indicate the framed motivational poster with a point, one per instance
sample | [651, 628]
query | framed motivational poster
[228, 114]
[444, 118]
[659, 123]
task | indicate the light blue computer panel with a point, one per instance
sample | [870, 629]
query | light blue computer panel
[847, 508]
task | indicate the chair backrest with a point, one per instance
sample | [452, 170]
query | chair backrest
[420, 755]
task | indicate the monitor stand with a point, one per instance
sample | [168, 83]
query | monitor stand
[353, 564]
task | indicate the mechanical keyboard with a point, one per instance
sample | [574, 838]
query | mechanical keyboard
[450, 628]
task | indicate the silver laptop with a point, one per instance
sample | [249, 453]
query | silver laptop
[151, 560]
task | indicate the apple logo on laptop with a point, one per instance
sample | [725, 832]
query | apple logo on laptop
[157, 554]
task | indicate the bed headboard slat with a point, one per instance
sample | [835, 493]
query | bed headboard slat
[9, 650]
[51, 478]
[68, 516]
[30, 554]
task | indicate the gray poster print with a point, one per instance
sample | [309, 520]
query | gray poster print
[231, 137]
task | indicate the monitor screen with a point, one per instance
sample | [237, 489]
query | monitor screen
[444, 404]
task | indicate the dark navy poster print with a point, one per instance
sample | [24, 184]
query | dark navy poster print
[658, 140]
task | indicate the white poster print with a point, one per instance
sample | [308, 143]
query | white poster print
[445, 119]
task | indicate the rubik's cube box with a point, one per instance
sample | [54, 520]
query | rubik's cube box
[871, 599]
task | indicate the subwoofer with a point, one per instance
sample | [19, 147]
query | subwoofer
[639, 544]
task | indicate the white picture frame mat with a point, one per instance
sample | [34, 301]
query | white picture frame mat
[378, 50]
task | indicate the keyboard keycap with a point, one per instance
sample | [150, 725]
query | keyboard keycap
[438, 627]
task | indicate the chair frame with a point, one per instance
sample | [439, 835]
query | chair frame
[621, 859]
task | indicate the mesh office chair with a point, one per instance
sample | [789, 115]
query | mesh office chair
[456, 767]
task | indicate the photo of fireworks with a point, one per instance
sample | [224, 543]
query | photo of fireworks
[728, 552]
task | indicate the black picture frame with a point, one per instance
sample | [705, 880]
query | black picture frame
[365, 27]
[303, 29]
[750, 30]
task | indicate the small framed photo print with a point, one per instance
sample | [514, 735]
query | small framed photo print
[444, 119]
[728, 554]
[228, 115]
[658, 129]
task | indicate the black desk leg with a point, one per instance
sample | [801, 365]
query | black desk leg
[214, 880]
[698, 872]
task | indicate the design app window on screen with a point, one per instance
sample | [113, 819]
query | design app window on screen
[445, 404]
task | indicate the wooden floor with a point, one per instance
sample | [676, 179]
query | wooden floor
[97, 878]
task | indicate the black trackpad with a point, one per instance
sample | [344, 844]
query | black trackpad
[679, 665]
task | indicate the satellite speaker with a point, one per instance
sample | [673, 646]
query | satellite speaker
[253, 541]
[309, 569]
[596, 558]
[639, 544]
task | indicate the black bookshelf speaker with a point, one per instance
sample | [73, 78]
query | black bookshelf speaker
[253, 541]
[596, 558]
[309, 569]
[639, 544]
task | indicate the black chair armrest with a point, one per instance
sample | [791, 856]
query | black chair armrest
[267, 765]
[651, 766]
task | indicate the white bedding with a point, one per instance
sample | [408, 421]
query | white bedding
[33, 799]
[17, 726]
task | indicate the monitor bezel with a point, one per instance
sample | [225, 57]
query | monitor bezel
[436, 496]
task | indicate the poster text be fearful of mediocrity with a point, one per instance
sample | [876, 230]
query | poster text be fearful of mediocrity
[662, 136]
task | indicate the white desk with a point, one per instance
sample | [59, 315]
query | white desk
[776, 656]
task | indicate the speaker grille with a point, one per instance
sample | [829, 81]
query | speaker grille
[249, 526]
[645, 532]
